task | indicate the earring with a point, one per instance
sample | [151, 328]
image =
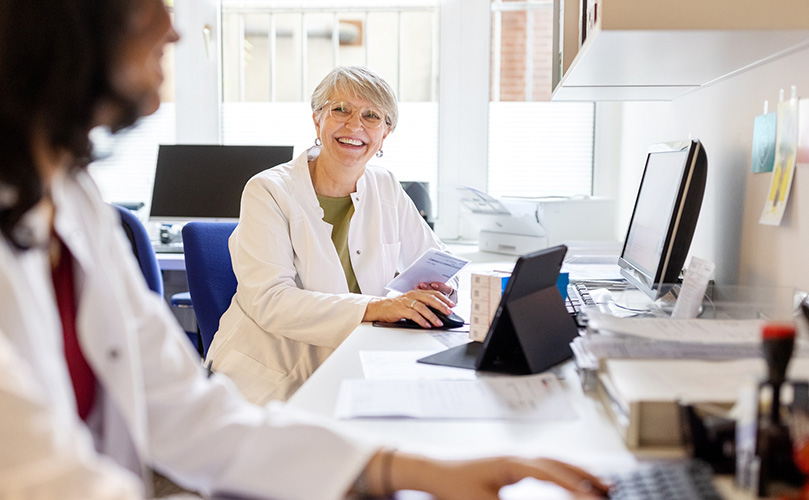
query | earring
[318, 142]
[379, 154]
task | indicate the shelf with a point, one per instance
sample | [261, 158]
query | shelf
[630, 55]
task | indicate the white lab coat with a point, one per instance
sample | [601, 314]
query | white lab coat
[155, 406]
[292, 306]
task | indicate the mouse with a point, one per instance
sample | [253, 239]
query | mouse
[451, 321]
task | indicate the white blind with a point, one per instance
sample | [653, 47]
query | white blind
[540, 148]
[127, 174]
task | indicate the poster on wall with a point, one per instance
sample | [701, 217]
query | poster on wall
[803, 132]
[764, 143]
[786, 148]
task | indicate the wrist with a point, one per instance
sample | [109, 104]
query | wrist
[370, 309]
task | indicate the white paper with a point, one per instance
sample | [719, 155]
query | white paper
[402, 365]
[680, 330]
[433, 266]
[693, 290]
[533, 397]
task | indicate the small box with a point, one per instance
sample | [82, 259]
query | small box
[487, 288]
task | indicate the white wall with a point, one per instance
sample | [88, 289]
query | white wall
[721, 116]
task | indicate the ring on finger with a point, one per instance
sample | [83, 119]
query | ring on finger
[412, 304]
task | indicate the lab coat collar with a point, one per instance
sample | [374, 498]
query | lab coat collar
[301, 173]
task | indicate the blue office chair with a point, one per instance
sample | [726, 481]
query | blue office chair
[209, 271]
[142, 248]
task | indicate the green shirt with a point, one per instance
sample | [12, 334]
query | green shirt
[338, 212]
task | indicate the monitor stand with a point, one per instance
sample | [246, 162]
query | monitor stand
[462, 356]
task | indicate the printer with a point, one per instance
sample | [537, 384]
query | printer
[517, 226]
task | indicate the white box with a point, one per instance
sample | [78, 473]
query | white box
[487, 288]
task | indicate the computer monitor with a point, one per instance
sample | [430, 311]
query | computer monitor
[205, 182]
[665, 216]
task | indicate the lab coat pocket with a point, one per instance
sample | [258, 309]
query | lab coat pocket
[254, 380]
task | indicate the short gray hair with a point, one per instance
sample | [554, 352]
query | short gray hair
[360, 82]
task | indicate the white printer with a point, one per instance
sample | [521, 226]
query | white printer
[517, 226]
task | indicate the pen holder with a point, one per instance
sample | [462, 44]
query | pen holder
[772, 447]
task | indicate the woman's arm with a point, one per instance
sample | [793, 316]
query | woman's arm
[479, 479]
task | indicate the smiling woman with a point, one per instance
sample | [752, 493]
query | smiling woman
[318, 240]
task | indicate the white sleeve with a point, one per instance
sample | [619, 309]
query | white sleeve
[45, 455]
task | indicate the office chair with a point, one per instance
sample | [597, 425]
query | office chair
[144, 253]
[419, 192]
[142, 248]
[209, 271]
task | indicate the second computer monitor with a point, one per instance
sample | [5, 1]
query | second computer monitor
[205, 182]
[665, 215]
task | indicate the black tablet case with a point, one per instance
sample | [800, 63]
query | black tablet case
[531, 330]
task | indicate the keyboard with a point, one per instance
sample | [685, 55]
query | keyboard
[578, 297]
[174, 247]
[687, 480]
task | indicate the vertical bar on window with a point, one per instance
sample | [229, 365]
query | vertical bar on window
[335, 39]
[242, 56]
[304, 54]
[434, 65]
[271, 39]
[366, 35]
[399, 55]
[529, 54]
[497, 33]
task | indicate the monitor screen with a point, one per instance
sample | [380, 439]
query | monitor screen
[205, 182]
[665, 216]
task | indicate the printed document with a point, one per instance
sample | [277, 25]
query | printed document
[433, 265]
[532, 397]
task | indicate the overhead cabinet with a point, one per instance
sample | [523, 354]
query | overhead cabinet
[623, 50]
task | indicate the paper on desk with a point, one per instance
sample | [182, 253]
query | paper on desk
[402, 365]
[533, 397]
[680, 330]
[433, 265]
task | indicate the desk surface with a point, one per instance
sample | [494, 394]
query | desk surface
[590, 434]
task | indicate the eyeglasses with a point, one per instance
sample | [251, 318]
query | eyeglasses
[341, 112]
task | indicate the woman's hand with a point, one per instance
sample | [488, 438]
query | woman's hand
[414, 305]
[479, 479]
[437, 286]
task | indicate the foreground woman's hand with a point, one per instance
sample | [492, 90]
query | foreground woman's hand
[479, 479]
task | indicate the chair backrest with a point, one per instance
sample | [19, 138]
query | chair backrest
[209, 271]
[142, 248]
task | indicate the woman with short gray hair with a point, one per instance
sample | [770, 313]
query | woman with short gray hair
[317, 241]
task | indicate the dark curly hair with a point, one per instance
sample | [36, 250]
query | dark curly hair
[55, 60]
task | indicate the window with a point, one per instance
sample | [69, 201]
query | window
[472, 77]
[536, 147]
[275, 53]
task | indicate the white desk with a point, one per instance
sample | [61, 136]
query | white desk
[171, 261]
[589, 440]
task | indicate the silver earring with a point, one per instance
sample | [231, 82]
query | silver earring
[318, 142]
[379, 154]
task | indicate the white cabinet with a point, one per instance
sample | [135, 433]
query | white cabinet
[662, 49]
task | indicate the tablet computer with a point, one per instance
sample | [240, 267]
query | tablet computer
[531, 330]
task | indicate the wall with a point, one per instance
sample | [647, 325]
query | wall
[721, 116]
